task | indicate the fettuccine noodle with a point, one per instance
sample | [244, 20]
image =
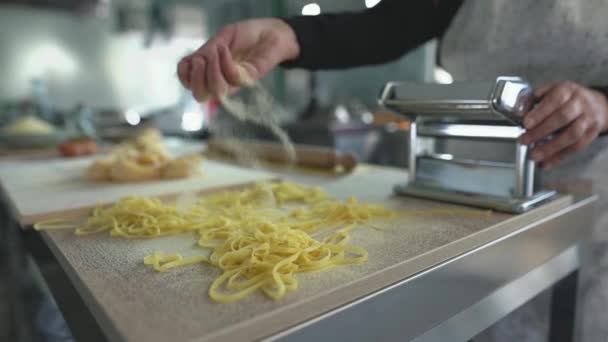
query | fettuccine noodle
[260, 237]
[144, 158]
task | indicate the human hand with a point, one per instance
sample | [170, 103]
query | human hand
[252, 46]
[575, 115]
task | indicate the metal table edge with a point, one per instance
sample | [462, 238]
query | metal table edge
[326, 325]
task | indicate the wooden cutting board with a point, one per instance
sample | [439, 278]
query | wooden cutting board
[131, 302]
[45, 188]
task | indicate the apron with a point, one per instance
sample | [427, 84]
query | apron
[542, 41]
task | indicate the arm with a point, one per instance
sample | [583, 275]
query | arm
[380, 34]
[254, 47]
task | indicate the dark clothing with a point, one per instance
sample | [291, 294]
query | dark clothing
[374, 36]
[377, 35]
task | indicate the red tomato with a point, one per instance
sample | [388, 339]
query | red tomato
[77, 147]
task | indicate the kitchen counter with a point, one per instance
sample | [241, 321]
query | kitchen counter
[429, 277]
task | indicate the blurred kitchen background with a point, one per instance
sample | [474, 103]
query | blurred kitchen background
[105, 68]
[108, 67]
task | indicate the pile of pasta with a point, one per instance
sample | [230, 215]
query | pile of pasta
[143, 159]
[260, 237]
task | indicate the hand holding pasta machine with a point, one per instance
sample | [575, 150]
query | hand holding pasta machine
[463, 143]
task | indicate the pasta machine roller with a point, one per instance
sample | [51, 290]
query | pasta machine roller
[463, 143]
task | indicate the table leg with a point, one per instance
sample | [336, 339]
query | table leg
[18, 295]
[75, 312]
[563, 309]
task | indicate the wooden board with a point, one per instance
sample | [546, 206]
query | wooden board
[42, 188]
[134, 303]
[305, 156]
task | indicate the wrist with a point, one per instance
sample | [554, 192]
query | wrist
[289, 40]
[601, 94]
[603, 98]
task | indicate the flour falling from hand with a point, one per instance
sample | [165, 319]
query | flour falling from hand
[258, 108]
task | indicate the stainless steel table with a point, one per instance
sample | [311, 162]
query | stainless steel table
[459, 298]
[461, 276]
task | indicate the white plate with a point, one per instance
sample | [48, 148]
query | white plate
[32, 140]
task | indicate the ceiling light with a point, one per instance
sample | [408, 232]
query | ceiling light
[311, 9]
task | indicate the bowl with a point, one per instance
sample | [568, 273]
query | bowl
[32, 140]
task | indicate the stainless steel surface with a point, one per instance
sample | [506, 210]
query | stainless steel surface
[507, 98]
[472, 176]
[506, 185]
[456, 290]
[434, 100]
[500, 203]
[463, 111]
[521, 157]
[493, 132]
[513, 98]
[504, 300]
[530, 185]
[413, 151]
[467, 162]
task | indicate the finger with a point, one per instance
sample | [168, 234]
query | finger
[542, 90]
[248, 73]
[553, 100]
[233, 90]
[570, 150]
[224, 36]
[199, 87]
[215, 80]
[574, 133]
[184, 68]
[559, 118]
[227, 34]
[229, 67]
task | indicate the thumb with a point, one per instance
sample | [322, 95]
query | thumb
[248, 73]
[265, 57]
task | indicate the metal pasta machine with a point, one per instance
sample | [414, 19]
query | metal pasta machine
[463, 143]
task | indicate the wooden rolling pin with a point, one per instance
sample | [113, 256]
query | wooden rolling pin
[306, 156]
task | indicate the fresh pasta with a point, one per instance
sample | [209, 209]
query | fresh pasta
[260, 237]
[145, 158]
[161, 262]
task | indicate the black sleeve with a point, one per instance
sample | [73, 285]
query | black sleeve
[603, 90]
[377, 35]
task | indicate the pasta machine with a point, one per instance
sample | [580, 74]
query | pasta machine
[463, 143]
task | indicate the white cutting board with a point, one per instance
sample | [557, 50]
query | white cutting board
[45, 186]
